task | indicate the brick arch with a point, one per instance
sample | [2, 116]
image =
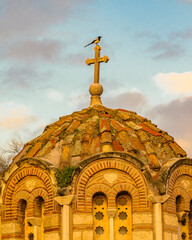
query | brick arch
[174, 191]
[17, 177]
[38, 192]
[100, 165]
[134, 193]
[93, 190]
[111, 194]
[16, 198]
[179, 171]
[171, 203]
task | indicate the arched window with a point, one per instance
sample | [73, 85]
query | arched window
[38, 207]
[183, 219]
[22, 215]
[123, 217]
[179, 203]
[100, 218]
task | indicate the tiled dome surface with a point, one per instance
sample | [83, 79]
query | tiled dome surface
[83, 134]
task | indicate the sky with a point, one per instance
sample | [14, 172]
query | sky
[43, 74]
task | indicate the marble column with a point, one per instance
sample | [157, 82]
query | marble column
[158, 215]
[65, 203]
[111, 215]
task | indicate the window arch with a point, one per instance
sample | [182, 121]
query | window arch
[38, 207]
[183, 219]
[100, 218]
[179, 203]
[22, 215]
[123, 217]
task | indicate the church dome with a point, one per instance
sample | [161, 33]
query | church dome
[95, 130]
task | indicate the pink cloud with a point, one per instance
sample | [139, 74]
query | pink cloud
[15, 117]
[175, 82]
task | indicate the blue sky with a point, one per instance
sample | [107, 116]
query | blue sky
[43, 74]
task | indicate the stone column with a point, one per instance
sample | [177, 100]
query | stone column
[111, 215]
[158, 215]
[65, 202]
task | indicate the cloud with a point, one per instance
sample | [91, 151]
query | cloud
[54, 94]
[186, 1]
[147, 35]
[15, 116]
[33, 17]
[22, 78]
[166, 50]
[186, 34]
[175, 82]
[34, 50]
[134, 101]
[77, 59]
[175, 117]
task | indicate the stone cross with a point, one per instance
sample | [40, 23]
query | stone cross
[97, 62]
[96, 88]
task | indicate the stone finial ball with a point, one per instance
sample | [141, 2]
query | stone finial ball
[96, 89]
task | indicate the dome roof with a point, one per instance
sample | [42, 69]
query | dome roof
[98, 129]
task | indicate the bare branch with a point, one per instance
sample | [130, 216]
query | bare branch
[14, 146]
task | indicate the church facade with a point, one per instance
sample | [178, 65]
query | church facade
[98, 174]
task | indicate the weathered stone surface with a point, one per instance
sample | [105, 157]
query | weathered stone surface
[52, 220]
[140, 217]
[167, 236]
[11, 227]
[52, 235]
[106, 137]
[170, 236]
[141, 234]
[170, 220]
[82, 218]
[77, 235]
[88, 234]
[133, 125]
[87, 132]
[117, 146]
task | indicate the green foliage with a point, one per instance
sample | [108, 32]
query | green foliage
[64, 176]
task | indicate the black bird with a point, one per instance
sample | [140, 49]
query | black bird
[96, 41]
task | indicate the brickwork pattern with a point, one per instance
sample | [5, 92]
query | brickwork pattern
[179, 183]
[28, 183]
[99, 129]
[124, 177]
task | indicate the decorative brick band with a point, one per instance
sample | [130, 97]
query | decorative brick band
[42, 187]
[175, 190]
[135, 184]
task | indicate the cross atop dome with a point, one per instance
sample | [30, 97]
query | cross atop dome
[96, 88]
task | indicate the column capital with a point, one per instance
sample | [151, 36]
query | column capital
[159, 198]
[64, 200]
[111, 213]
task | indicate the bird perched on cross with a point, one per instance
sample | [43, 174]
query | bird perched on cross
[96, 41]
